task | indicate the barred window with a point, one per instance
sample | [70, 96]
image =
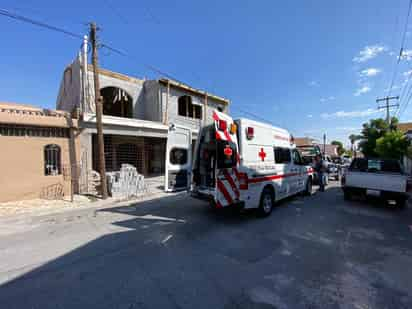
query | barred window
[52, 160]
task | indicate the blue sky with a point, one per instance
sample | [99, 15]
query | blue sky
[312, 67]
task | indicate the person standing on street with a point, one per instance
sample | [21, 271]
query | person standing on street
[320, 170]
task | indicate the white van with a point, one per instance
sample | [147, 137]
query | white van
[241, 162]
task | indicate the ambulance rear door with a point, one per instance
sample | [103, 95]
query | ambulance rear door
[178, 158]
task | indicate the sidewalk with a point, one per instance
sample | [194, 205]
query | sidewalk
[26, 210]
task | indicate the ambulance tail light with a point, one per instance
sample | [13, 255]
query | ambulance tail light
[233, 128]
[243, 181]
[222, 125]
[250, 132]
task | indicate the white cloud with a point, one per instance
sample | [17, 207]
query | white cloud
[330, 98]
[314, 83]
[406, 54]
[347, 129]
[362, 90]
[369, 52]
[407, 73]
[369, 72]
[310, 116]
[350, 114]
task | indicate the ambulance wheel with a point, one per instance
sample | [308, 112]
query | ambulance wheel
[266, 202]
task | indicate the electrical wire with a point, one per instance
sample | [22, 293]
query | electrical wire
[22, 18]
[252, 115]
[38, 23]
[395, 71]
[115, 10]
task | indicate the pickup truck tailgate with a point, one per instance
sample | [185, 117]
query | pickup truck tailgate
[376, 181]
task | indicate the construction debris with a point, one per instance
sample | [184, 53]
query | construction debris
[126, 183]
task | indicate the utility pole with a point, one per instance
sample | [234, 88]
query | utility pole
[387, 106]
[324, 145]
[99, 111]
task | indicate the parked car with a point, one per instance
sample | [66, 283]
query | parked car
[333, 169]
[308, 154]
[378, 177]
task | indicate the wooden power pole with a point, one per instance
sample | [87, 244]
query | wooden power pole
[387, 106]
[99, 111]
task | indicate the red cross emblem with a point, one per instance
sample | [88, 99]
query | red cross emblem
[262, 154]
[228, 151]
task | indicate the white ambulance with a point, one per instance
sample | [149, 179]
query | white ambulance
[241, 162]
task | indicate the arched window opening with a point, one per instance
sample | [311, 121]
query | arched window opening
[117, 102]
[187, 108]
[52, 160]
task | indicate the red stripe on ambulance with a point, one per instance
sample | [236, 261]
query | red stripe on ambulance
[231, 182]
[221, 187]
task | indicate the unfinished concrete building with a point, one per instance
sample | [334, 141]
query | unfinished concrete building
[136, 115]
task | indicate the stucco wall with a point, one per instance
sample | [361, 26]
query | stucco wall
[22, 166]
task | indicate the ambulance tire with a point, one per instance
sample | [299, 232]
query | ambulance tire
[267, 200]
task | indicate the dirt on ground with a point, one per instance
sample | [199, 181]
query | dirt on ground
[39, 205]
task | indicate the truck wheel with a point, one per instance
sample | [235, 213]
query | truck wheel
[309, 186]
[347, 194]
[401, 202]
[266, 202]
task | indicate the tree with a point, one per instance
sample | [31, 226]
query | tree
[371, 132]
[392, 145]
[340, 148]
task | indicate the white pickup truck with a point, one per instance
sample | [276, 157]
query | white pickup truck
[378, 177]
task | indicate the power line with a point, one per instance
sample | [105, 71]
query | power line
[117, 12]
[387, 106]
[395, 72]
[252, 115]
[38, 23]
[53, 28]
[78, 36]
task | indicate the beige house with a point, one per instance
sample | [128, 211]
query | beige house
[39, 153]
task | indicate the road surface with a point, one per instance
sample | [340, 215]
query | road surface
[312, 252]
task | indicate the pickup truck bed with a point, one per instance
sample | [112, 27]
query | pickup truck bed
[383, 178]
[377, 181]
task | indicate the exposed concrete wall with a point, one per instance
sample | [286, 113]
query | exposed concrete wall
[70, 91]
[171, 104]
[153, 109]
[150, 100]
[22, 166]
[133, 87]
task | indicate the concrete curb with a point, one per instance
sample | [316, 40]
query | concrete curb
[101, 204]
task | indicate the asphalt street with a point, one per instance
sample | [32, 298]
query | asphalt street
[175, 252]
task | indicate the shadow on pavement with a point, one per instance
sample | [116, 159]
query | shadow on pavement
[171, 253]
[175, 252]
